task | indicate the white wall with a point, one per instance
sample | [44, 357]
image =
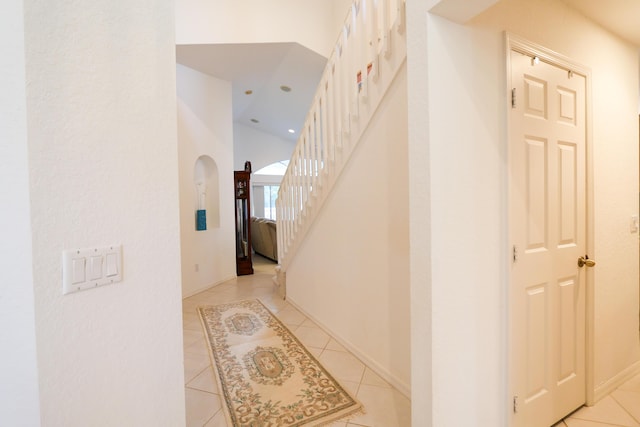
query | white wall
[205, 128]
[312, 23]
[351, 273]
[102, 153]
[468, 225]
[260, 148]
[419, 214]
[19, 404]
[463, 124]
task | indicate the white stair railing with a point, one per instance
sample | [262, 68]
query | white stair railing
[370, 50]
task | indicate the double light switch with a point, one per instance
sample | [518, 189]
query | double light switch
[92, 267]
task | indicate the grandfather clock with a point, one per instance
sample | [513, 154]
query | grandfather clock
[241, 181]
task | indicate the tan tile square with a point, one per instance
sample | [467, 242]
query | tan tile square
[574, 422]
[189, 312]
[198, 347]
[189, 305]
[343, 366]
[193, 365]
[189, 337]
[350, 386]
[315, 351]
[200, 407]
[309, 323]
[605, 411]
[630, 401]
[192, 322]
[335, 345]
[312, 336]
[274, 303]
[205, 381]
[218, 298]
[291, 316]
[384, 407]
[371, 378]
[218, 420]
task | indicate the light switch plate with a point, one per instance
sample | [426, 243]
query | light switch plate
[91, 267]
[95, 267]
[78, 270]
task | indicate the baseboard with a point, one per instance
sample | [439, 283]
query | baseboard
[401, 386]
[206, 287]
[613, 383]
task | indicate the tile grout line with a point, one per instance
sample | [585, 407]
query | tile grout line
[606, 423]
[623, 407]
[198, 374]
[209, 296]
[212, 417]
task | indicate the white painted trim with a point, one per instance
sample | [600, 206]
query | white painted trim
[401, 386]
[352, 122]
[616, 381]
[522, 45]
[461, 11]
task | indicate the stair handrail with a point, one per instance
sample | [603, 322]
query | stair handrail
[368, 53]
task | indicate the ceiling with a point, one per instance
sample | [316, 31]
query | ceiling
[621, 17]
[262, 69]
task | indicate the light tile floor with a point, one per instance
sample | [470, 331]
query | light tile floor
[620, 409]
[384, 405]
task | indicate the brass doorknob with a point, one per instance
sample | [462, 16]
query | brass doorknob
[582, 261]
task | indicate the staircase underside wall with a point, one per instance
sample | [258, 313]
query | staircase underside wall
[351, 274]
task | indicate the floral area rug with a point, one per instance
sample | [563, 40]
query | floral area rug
[265, 375]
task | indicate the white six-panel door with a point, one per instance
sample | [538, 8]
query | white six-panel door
[547, 184]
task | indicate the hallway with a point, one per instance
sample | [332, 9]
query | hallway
[384, 405]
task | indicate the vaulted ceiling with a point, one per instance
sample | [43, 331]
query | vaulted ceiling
[264, 68]
[621, 17]
[260, 75]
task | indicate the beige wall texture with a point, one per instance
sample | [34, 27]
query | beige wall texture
[205, 129]
[314, 24]
[351, 272]
[99, 148]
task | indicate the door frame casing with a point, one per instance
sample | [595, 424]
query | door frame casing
[516, 43]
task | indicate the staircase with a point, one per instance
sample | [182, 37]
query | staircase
[369, 51]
